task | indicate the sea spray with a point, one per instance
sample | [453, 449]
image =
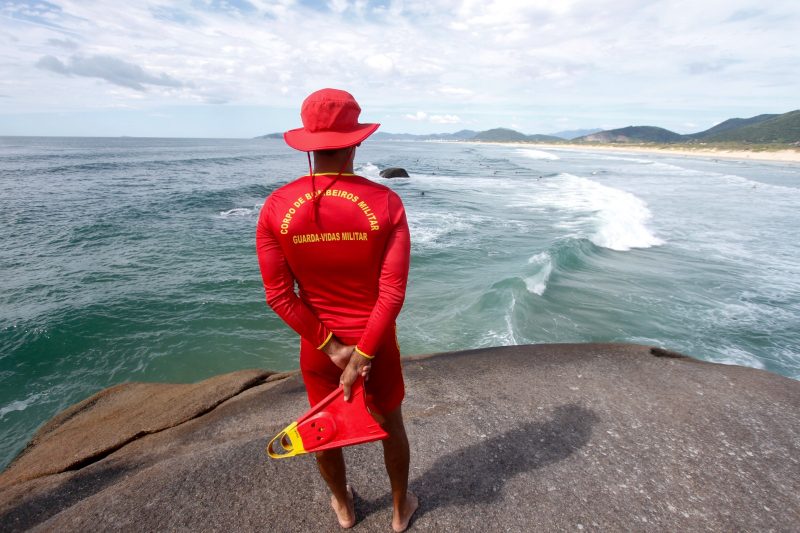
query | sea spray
[542, 263]
[368, 170]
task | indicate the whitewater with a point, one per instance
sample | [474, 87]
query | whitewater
[134, 260]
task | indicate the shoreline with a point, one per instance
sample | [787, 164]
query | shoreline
[783, 155]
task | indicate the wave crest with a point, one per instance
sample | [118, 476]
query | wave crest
[537, 154]
[238, 212]
[542, 263]
[617, 219]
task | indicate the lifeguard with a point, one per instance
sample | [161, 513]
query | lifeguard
[344, 241]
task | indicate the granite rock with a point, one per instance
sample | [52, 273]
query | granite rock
[394, 172]
[521, 438]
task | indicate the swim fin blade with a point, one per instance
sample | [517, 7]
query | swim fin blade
[332, 423]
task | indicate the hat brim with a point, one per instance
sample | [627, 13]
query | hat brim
[306, 141]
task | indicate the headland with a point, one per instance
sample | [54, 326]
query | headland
[519, 438]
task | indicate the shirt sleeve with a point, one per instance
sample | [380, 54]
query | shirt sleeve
[279, 284]
[392, 281]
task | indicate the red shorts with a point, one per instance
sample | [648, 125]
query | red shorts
[385, 387]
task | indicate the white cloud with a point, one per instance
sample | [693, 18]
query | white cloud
[422, 116]
[455, 91]
[380, 63]
[111, 69]
[63, 43]
[419, 115]
[338, 6]
[479, 60]
[445, 119]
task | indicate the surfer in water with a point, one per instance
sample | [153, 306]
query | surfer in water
[344, 241]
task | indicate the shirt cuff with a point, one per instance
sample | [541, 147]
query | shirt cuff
[326, 341]
[364, 354]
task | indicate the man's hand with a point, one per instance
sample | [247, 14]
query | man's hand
[358, 366]
[338, 352]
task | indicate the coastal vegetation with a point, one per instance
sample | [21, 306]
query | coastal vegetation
[506, 135]
[760, 133]
[762, 130]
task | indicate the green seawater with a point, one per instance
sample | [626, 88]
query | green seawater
[134, 259]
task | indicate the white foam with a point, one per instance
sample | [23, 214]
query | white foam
[428, 228]
[537, 283]
[791, 357]
[509, 324]
[738, 356]
[368, 170]
[19, 405]
[16, 405]
[753, 184]
[618, 218]
[537, 154]
[506, 337]
[240, 212]
[632, 159]
[496, 338]
[624, 228]
[752, 316]
[484, 185]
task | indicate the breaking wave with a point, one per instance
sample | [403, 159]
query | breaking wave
[537, 154]
[617, 219]
[542, 263]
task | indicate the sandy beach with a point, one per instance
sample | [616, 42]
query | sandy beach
[786, 155]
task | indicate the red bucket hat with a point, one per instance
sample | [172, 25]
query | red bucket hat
[330, 122]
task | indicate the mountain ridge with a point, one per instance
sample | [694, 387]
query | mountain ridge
[761, 129]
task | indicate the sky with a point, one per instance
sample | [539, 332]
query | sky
[241, 68]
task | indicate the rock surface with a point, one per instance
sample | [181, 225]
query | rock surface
[524, 438]
[106, 421]
[394, 172]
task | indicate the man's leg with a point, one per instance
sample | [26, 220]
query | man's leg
[396, 456]
[331, 466]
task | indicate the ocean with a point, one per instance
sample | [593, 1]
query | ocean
[129, 259]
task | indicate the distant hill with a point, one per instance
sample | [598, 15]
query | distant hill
[761, 129]
[500, 134]
[544, 138]
[783, 128]
[507, 135]
[457, 136]
[633, 134]
[730, 124]
[574, 134]
[461, 135]
[386, 136]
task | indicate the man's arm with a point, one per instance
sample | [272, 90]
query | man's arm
[392, 281]
[279, 285]
[391, 294]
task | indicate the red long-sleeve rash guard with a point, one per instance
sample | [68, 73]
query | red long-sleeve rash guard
[349, 255]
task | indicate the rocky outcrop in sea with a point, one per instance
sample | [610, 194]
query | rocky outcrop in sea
[394, 172]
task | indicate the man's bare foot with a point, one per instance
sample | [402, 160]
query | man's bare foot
[401, 519]
[346, 514]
